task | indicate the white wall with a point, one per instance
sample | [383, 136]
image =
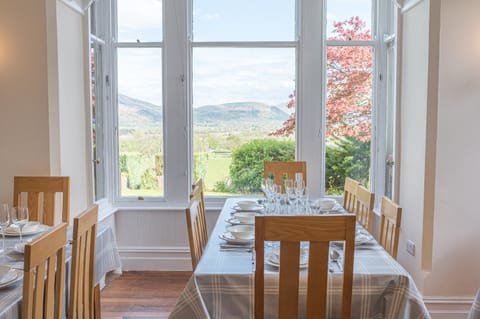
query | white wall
[24, 113]
[413, 134]
[440, 152]
[155, 240]
[42, 96]
[73, 118]
[456, 256]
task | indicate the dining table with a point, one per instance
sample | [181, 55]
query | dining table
[107, 259]
[222, 285]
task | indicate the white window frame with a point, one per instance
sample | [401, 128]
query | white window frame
[310, 129]
[217, 201]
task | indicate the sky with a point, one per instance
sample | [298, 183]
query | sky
[226, 74]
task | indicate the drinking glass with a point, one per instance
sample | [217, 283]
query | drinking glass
[4, 222]
[290, 194]
[299, 190]
[19, 216]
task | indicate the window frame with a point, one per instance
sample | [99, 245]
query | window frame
[177, 51]
[118, 199]
[217, 201]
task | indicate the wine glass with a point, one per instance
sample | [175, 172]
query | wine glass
[299, 189]
[4, 222]
[19, 216]
[289, 191]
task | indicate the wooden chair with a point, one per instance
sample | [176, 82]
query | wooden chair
[364, 207]
[83, 292]
[41, 192]
[196, 223]
[284, 170]
[350, 194]
[44, 275]
[319, 231]
[391, 217]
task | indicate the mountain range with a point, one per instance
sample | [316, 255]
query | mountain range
[136, 113]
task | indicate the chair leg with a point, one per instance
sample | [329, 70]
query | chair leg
[96, 302]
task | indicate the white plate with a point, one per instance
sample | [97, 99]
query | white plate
[253, 209]
[31, 228]
[16, 275]
[362, 238]
[230, 239]
[273, 260]
[234, 221]
[7, 275]
[4, 269]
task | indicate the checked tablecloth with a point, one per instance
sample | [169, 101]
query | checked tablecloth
[222, 285]
[107, 259]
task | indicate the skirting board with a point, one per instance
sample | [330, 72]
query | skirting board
[448, 307]
[155, 258]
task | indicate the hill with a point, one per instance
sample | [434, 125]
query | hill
[229, 116]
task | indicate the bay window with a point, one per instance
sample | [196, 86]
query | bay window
[196, 82]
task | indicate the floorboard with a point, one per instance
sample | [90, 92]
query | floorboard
[142, 294]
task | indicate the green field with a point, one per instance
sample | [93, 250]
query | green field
[217, 170]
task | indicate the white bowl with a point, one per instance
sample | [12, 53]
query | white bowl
[325, 203]
[242, 231]
[247, 204]
[245, 217]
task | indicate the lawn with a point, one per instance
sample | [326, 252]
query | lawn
[217, 170]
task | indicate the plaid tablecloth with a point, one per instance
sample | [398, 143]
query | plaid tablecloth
[222, 285]
[107, 259]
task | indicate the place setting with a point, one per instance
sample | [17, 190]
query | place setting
[247, 206]
[238, 238]
[9, 276]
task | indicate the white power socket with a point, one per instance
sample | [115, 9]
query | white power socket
[411, 247]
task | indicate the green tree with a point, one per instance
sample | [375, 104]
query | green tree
[246, 169]
[346, 157]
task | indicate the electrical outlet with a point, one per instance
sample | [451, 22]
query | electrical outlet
[411, 247]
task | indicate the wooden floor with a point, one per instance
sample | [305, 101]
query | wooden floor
[142, 294]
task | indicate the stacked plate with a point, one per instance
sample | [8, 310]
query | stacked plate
[31, 228]
[247, 206]
[9, 276]
[273, 258]
[242, 218]
[239, 234]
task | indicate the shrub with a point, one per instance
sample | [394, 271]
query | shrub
[149, 179]
[346, 157]
[246, 169]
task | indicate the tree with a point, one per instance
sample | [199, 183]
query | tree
[349, 86]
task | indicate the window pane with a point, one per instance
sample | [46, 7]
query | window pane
[240, 95]
[140, 121]
[349, 20]
[348, 116]
[98, 147]
[139, 20]
[244, 20]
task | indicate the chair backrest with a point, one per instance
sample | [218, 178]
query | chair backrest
[196, 223]
[44, 275]
[364, 207]
[350, 194]
[82, 279]
[41, 192]
[391, 217]
[290, 231]
[284, 170]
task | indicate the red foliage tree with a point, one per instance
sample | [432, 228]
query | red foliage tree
[349, 85]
